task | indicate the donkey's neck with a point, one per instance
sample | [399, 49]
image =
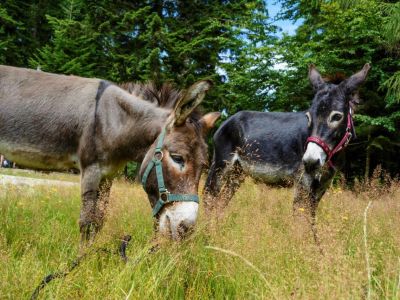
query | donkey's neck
[133, 128]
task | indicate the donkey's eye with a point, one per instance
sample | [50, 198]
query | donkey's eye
[336, 117]
[178, 159]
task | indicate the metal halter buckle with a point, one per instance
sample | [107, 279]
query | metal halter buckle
[164, 196]
[348, 139]
[158, 155]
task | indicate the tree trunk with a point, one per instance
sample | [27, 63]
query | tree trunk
[367, 159]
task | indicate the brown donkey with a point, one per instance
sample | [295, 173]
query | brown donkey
[56, 122]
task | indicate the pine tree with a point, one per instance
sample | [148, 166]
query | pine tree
[72, 47]
[7, 40]
[24, 28]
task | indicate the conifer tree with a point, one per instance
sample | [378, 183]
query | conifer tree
[72, 47]
[7, 40]
[24, 29]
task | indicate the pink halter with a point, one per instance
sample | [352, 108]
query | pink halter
[341, 145]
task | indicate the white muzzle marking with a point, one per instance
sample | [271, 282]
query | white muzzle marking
[176, 219]
[314, 153]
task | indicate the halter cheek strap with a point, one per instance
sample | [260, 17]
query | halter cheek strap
[341, 145]
[164, 196]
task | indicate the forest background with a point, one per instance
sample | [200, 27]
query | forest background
[237, 44]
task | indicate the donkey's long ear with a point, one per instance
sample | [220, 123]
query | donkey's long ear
[315, 78]
[353, 82]
[190, 100]
[208, 121]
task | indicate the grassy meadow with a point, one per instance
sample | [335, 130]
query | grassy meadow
[257, 250]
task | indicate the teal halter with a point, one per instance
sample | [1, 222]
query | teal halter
[164, 196]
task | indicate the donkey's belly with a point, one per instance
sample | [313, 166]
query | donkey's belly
[270, 174]
[33, 157]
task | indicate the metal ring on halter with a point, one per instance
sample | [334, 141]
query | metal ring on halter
[160, 153]
[164, 196]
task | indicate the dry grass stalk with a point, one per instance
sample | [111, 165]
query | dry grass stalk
[366, 251]
[247, 262]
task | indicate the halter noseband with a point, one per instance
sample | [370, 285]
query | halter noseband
[164, 196]
[341, 145]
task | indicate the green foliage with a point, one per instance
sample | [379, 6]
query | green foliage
[71, 50]
[388, 122]
[393, 89]
[131, 171]
[392, 24]
[24, 29]
[250, 76]
[7, 41]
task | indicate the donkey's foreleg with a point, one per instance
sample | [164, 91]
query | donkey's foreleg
[95, 193]
[308, 193]
[103, 198]
[233, 178]
[304, 211]
[304, 202]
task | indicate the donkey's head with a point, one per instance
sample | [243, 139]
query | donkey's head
[329, 117]
[171, 169]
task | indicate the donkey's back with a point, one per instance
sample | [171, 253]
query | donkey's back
[268, 146]
[265, 144]
[43, 116]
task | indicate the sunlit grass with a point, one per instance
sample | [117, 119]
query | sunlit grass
[258, 250]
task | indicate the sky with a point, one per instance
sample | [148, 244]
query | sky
[286, 26]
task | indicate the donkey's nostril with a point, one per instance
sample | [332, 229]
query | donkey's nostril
[184, 229]
[310, 165]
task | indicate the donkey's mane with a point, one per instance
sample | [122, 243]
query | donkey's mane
[335, 78]
[164, 95]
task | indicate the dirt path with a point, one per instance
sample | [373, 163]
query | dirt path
[19, 180]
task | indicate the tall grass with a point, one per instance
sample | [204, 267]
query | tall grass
[257, 250]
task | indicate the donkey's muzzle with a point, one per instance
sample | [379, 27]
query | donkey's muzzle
[313, 158]
[311, 165]
[178, 219]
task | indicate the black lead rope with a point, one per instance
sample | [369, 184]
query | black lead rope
[47, 279]
[55, 275]
[122, 247]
